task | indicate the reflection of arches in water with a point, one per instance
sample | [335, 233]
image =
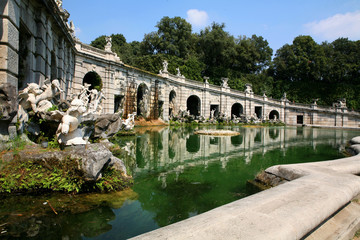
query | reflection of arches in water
[236, 140]
[141, 150]
[193, 105]
[257, 137]
[274, 115]
[214, 140]
[142, 101]
[94, 80]
[172, 103]
[193, 143]
[236, 109]
[274, 133]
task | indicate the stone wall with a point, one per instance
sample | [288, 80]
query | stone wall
[35, 43]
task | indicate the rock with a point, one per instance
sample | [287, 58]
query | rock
[8, 102]
[91, 158]
[107, 125]
[355, 140]
[354, 149]
[33, 128]
[8, 110]
[117, 164]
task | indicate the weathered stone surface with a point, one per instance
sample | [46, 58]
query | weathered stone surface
[355, 140]
[117, 164]
[107, 125]
[8, 103]
[91, 158]
[33, 128]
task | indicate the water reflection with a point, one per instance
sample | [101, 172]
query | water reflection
[169, 147]
[177, 175]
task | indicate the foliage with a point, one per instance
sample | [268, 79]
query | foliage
[305, 70]
[16, 144]
[112, 180]
[53, 108]
[52, 175]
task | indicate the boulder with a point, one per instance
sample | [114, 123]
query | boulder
[107, 125]
[355, 140]
[8, 102]
[91, 159]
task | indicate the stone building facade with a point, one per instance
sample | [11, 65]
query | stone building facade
[37, 44]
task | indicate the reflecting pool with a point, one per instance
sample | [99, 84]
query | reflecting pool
[177, 175]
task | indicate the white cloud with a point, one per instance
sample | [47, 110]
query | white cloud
[339, 25]
[197, 18]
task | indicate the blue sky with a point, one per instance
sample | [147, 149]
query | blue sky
[278, 21]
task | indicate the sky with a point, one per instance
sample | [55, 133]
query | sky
[277, 21]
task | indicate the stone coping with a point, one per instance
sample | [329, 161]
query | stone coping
[217, 132]
[289, 211]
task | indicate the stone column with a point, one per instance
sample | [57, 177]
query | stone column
[206, 103]
[164, 96]
[9, 41]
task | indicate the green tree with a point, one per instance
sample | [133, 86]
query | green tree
[172, 38]
[216, 49]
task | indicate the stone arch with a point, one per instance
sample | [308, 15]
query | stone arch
[142, 100]
[94, 79]
[172, 103]
[274, 115]
[236, 109]
[193, 105]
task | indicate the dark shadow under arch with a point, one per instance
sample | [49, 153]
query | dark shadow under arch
[193, 105]
[274, 114]
[94, 80]
[236, 109]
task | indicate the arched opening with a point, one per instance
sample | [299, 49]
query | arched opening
[142, 100]
[274, 133]
[236, 110]
[172, 103]
[193, 143]
[94, 80]
[193, 105]
[274, 115]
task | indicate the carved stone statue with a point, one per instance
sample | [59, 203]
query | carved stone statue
[212, 114]
[68, 132]
[28, 96]
[165, 66]
[59, 3]
[108, 44]
[224, 82]
[206, 80]
[129, 122]
[284, 96]
[248, 88]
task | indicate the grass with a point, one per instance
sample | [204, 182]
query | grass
[66, 176]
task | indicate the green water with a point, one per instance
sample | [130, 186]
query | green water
[177, 175]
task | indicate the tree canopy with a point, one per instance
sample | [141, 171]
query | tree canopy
[305, 70]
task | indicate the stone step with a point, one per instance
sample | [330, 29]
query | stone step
[343, 225]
